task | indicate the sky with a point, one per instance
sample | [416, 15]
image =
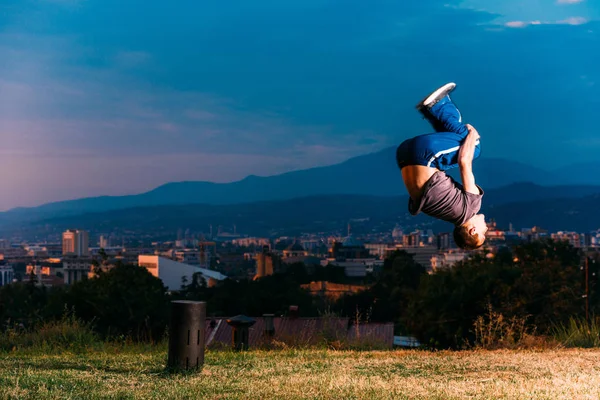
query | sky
[110, 97]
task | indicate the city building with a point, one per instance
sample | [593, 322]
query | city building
[512, 238]
[353, 268]
[445, 240]
[109, 251]
[380, 250]
[422, 255]
[332, 291]
[4, 244]
[251, 241]
[575, 239]
[186, 243]
[227, 237]
[172, 272]
[12, 253]
[412, 239]
[46, 274]
[267, 263]
[7, 274]
[53, 249]
[208, 253]
[233, 263]
[188, 256]
[352, 255]
[36, 251]
[75, 243]
[77, 268]
[349, 248]
[397, 234]
[533, 234]
[105, 242]
[447, 259]
[294, 250]
[494, 236]
[311, 245]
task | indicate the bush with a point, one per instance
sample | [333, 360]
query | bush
[495, 331]
[541, 280]
[578, 333]
[126, 301]
[67, 333]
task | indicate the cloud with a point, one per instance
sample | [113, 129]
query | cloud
[516, 24]
[567, 21]
[568, 1]
[164, 121]
[573, 21]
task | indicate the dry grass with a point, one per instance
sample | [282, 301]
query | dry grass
[138, 372]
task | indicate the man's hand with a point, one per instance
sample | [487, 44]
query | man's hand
[467, 148]
[473, 131]
[465, 160]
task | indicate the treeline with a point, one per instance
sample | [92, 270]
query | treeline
[127, 301]
[541, 283]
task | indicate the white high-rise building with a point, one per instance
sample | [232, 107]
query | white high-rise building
[76, 243]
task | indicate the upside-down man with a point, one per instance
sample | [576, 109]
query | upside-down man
[423, 160]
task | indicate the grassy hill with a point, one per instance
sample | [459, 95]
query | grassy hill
[128, 372]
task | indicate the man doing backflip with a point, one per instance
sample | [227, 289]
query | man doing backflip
[423, 160]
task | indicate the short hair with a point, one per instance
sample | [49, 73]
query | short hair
[464, 239]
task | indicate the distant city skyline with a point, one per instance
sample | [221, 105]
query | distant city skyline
[109, 98]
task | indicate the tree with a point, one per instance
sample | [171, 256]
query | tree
[539, 281]
[443, 309]
[22, 303]
[388, 299]
[126, 300]
[550, 286]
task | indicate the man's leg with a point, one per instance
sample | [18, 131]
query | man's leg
[448, 117]
[441, 112]
[439, 150]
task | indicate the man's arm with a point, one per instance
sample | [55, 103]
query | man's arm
[465, 160]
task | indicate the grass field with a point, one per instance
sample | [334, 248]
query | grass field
[123, 372]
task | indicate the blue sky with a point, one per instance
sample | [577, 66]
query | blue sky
[112, 97]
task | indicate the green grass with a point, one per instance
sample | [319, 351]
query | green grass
[579, 333]
[67, 333]
[137, 372]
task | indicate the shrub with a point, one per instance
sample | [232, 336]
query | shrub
[578, 333]
[495, 331]
[67, 333]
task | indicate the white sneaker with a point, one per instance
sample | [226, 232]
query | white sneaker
[437, 95]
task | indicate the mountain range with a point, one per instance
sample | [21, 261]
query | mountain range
[326, 213]
[374, 175]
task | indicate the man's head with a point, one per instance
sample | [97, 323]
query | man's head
[471, 234]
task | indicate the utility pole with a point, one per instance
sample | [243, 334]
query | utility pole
[587, 294]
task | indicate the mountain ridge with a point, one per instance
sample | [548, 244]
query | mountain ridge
[374, 173]
[325, 213]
